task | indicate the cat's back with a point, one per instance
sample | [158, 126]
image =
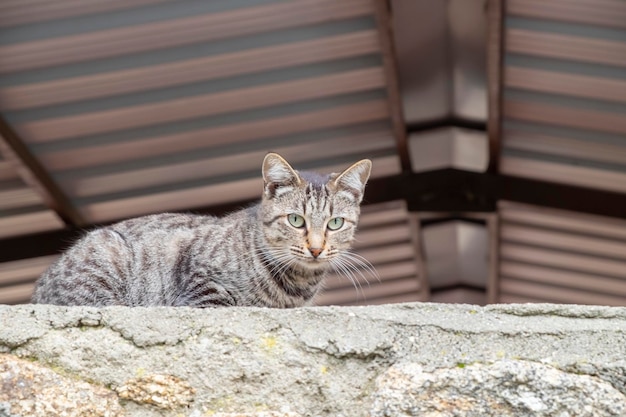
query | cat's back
[163, 223]
[107, 259]
[148, 236]
[179, 229]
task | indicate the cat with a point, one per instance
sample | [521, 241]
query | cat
[272, 254]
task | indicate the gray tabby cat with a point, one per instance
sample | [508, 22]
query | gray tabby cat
[273, 254]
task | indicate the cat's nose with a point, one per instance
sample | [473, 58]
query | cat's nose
[315, 252]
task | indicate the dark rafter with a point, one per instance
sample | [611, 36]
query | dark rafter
[37, 176]
[446, 190]
[383, 21]
[495, 50]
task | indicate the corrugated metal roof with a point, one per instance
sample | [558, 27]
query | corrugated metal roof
[128, 121]
[17, 278]
[565, 92]
[549, 255]
[23, 209]
[121, 108]
[146, 106]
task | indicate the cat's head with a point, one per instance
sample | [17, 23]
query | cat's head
[309, 218]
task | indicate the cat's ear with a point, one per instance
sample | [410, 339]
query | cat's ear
[278, 175]
[352, 181]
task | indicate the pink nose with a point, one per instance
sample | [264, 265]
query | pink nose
[315, 252]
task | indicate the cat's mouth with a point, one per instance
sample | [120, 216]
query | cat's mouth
[307, 259]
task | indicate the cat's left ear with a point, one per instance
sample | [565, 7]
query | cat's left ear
[352, 181]
[278, 175]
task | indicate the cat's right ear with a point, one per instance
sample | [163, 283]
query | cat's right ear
[278, 175]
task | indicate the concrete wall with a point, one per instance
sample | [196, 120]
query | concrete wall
[396, 360]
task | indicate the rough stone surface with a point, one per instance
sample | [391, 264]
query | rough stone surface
[163, 391]
[29, 389]
[504, 388]
[259, 414]
[397, 360]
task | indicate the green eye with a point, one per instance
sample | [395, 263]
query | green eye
[335, 223]
[295, 220]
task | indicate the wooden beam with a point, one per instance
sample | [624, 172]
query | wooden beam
[384, 24]
[560, 196]
[495, 74]
[35, 175]
[493, 277]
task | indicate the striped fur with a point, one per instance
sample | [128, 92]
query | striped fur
[252, 257]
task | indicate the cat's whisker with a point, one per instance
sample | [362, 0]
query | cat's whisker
[263, 256]
[340, 268]
[355, 270]
[362, 262]
[352, 265]
[279, 262]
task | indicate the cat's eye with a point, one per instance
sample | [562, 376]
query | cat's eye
[295, 220]
[335, 223]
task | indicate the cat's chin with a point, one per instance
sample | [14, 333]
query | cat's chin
[314, 263]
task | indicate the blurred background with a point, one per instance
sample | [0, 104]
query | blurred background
[497, 129]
